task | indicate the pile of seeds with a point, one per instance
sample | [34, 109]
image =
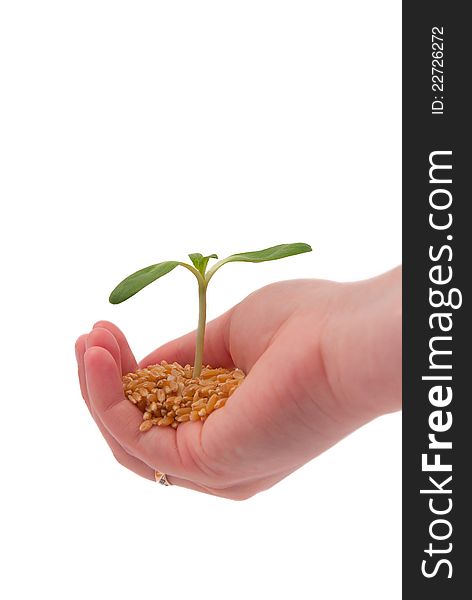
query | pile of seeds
[168, 394]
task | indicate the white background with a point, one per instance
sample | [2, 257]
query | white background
[135, 132]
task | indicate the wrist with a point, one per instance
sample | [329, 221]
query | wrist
[362, 346]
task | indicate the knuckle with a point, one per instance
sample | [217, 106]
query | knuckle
[240, 495]
[120, 459]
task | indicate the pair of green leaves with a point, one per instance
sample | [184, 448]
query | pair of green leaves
[200, 262]
[137, 281]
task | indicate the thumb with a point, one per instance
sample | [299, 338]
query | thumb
[216, 351]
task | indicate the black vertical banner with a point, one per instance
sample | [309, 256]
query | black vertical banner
[437, 355]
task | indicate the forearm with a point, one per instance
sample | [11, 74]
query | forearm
[362, 345]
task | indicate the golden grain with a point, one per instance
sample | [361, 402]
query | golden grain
[145, 426]
[167, 394]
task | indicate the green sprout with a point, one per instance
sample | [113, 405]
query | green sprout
[137, 281]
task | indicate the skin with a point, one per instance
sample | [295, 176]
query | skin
[321, 358]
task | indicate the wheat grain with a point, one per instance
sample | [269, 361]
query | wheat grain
[167, 394]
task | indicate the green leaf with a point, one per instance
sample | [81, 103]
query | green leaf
[200, 262]
[137, 281]
[272, 253]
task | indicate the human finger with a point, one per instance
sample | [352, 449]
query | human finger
[128, 362]
[130, 462]
[122, 419]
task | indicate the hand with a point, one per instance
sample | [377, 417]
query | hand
[321, 359]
